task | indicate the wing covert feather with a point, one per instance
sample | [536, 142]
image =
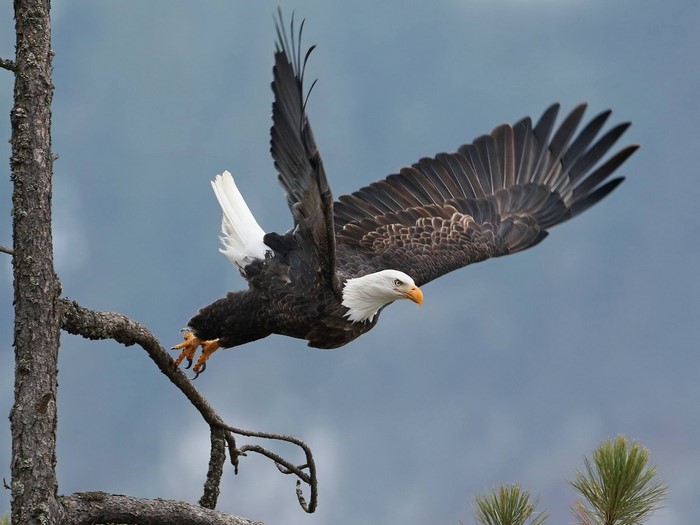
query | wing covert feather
[495, 196]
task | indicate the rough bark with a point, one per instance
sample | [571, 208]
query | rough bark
[87, 508]
[36, 287]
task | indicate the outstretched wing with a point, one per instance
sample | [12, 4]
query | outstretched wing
[496, 196]
[296, 157]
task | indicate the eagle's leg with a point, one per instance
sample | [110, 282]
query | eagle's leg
[189, 347]
[208, 348]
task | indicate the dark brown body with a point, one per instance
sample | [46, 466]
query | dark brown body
[275, 304]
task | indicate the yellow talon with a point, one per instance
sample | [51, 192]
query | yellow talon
[189, 348]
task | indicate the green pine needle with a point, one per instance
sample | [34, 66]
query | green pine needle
[507, 505]
[619, 485]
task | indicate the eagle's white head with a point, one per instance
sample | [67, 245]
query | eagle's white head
[365, 296]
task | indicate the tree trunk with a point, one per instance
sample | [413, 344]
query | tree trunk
[36, 288]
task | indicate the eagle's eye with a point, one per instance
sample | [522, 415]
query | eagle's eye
[398, 282]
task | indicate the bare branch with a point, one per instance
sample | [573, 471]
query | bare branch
[216, 469]
[86, 508]
[284, 466]
[7, 64]
[7, 250]
[92, 324]
[287, 468]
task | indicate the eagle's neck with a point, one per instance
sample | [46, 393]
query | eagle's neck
[364, 297]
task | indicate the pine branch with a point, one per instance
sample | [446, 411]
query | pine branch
[6, 249]
[508, 505]
[618, 484]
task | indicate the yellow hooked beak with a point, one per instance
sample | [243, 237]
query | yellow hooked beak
[415, 295]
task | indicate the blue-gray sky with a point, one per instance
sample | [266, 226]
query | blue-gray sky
[513, 369]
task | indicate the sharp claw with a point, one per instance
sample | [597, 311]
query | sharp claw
[202, 368]
[189, 348]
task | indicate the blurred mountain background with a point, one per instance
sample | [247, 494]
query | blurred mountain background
[512, 370]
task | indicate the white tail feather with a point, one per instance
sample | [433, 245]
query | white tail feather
[242, 235]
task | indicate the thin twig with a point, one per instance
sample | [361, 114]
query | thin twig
[7, 250]
[286, 467]
[7, 64]
[279, 460]
[232, 450]
[309, 478]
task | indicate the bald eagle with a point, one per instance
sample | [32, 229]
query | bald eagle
[328, 278]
